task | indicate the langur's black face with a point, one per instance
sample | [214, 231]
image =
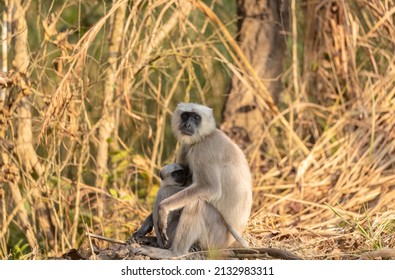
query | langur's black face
[190, 122]
[180, 176]
[175, 174]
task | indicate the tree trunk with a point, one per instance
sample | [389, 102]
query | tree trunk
[23, 148]
[327, 38]
[329, 69]
[107, 123]
[262, 40]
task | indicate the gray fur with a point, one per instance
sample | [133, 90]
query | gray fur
[168, 187]
[221, 181]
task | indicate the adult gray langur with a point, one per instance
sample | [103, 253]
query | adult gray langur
[174, 178]
[221, 183]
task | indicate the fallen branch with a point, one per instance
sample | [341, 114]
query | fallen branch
[230, 252]
[117, 241]
[381, 253]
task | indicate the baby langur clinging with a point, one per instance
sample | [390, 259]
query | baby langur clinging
[175, 177]
[221, 186]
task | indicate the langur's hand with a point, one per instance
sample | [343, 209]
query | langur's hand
[135, 237]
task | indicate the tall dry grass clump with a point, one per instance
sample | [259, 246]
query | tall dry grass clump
[344, 109]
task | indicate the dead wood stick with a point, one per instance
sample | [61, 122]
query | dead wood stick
[245, 252]
[381, 253]
[92, 235]
[251, 253]
[90, 242]
[270, 252]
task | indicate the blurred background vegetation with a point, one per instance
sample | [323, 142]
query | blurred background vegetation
[305, 87]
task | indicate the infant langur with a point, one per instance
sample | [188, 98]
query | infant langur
[175, 178]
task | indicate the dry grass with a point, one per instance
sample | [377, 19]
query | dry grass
[328, 195]
[344, 187]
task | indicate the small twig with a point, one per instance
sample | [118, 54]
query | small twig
[90, 241]
[92, 235]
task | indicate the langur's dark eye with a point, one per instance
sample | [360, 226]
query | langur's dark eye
[190, 115]
[196, 118]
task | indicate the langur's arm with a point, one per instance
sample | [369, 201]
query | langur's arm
[145, 228]
[206, 186]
